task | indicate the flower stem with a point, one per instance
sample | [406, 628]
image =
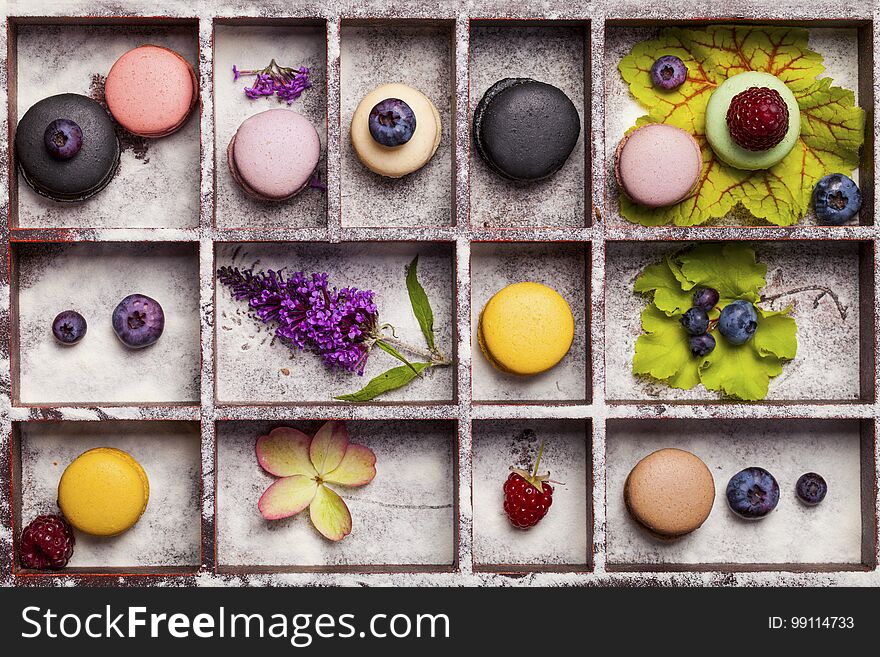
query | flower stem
[538, 461]
[435, 357]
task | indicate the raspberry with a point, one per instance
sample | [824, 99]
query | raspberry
[757, 118]
[46, 543]
[524, 504]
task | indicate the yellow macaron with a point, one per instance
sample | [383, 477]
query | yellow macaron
[103, 492]
[526, 328]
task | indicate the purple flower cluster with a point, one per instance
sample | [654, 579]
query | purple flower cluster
[336, 324]
[283, 81]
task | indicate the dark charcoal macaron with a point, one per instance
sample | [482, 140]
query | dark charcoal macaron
[84, 174]
[525, 130]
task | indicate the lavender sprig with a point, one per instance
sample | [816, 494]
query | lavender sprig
[339, 325]
[342, 326]
[283, 81]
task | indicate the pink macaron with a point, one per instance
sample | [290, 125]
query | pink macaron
[151, 90]
[658, 165]
[273, 154]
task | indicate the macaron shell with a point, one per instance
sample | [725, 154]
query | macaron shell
[718, 134]
[526, 329]
[525, 130]
[151, 90]
[103, 492]
[658, 165]
[86, 173]
[670, 492]
[397, 161]
[274, 154]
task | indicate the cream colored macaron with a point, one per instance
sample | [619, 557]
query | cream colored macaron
[397, 161]
[670, 492]
[103, 492]
[526, 328]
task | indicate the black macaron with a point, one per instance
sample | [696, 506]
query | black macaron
[524, 129]
[84, 174]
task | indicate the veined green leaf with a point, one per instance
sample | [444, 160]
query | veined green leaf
[396, 377]
[420, 304]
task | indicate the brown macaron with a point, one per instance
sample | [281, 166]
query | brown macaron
[670, 492]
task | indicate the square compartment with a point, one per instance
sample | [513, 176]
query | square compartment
[555, 52]
[562, 541]
[846, 47]
[419, 54]
[253, 367]
[167, 538]
[251, 44]
[92, 278]
[564, 266]
[838, 534]
[41, 65]
[405, 519]
[830, 285]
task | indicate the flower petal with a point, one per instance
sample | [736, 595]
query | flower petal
[287, 497]
[358, 467]
[328, 446]
[330, 515]
[285, 452]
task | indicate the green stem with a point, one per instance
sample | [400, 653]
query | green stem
[538, 462]
[435, 358]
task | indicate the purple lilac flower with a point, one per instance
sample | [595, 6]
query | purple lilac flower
[263, 86]
[336, 324]
[285, 82]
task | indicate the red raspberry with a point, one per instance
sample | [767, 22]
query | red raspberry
[757, 118]
[524, 504]
[46, 543]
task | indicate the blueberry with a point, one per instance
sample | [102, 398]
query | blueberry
[63, 139]
[69, 327]
[392, 122]
[706, 298]
[738, 321]
[695, 321]
[811, 488]
[701, 345]
[668, 73]
[752, 493]
[138, 321]
[836, 199]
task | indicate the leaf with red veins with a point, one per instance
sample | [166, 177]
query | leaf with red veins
[329, 446]
[330, 515]
[358, 467]
[285, 452]
[287, 497]
[832, 126]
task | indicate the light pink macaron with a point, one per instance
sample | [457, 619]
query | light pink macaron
[151, 90]
[658, 165]
[273, 154]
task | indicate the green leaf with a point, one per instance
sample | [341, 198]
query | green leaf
[662, 351]
[832, 127]
[420, 304]
[396, 377]
[776, 334]
[729, 267]
[384, 346]
[738, 370]
[741, 371]
[665, 281]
